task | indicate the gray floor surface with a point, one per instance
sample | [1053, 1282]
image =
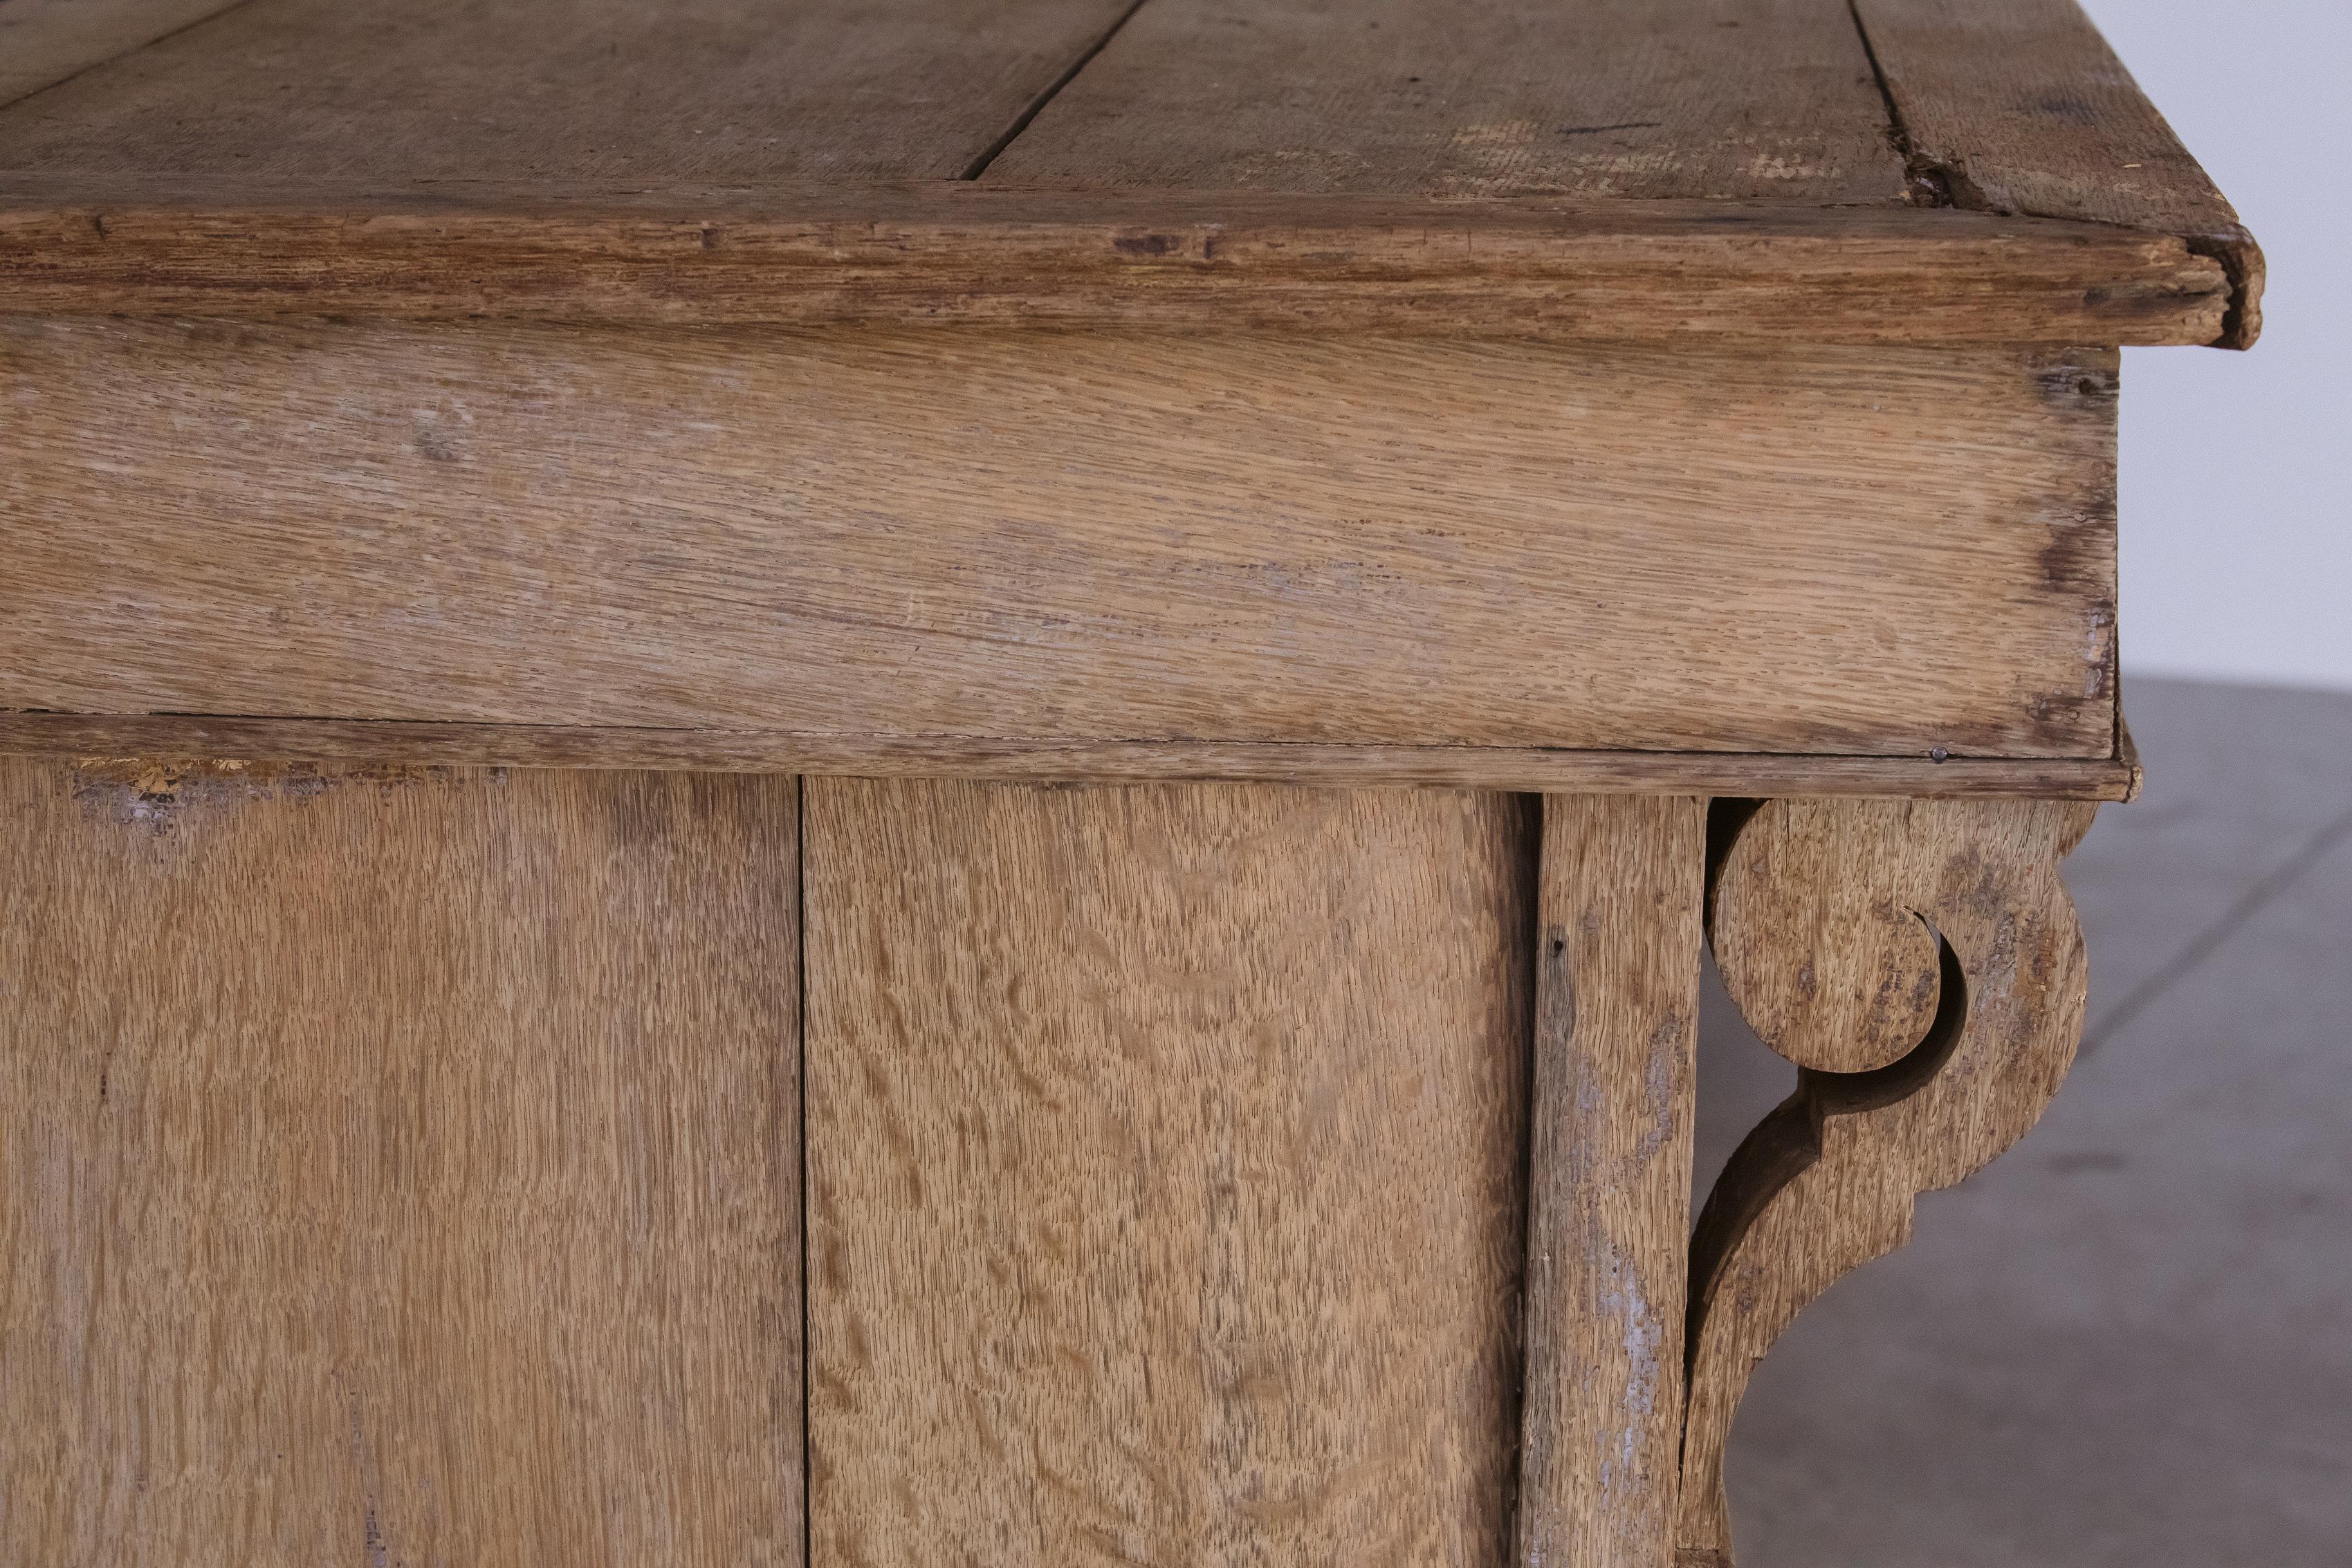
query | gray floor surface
[2130, 1340]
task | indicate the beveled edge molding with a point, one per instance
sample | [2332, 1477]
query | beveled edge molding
[1838, 925]
[915, 251]
[1531, 769]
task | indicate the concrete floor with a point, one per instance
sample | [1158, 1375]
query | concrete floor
[2130, 1340]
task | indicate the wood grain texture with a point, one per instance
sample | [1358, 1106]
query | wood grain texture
[693, 91]
[2018, 106]
[1726, 167]
[948, 252]
[1868, 985]
[1353, 767]
[1613, 97]
[1617, 930]
[1165, 1149]
[44, 42]
[1233, 540]
[1826, 1183]
[397, 1167]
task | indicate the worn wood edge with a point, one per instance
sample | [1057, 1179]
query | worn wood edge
[2128, 759]
[46, 42]
[2202, 219]
[2242, 262]
[1530, 769]
[935, 251]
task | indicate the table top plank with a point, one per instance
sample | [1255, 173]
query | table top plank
[2020, 107]
[699, 91]
[44, 42]
[1721, 99]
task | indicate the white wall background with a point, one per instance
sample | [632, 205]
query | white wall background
[2237, 511]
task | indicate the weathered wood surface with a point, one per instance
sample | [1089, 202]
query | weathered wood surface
[1522, 769]
[1229, 540]
[1826, 1183]
[1611, 97]
[44, 42]
[1726, 167]
[412, 93]
[955, 253]
[2018, 106]
[1617, 959]
[1165, 1159]
[397, 1167]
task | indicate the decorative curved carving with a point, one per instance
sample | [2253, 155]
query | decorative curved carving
[1920, 962]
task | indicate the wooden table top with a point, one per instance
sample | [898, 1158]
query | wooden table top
[1892, 171]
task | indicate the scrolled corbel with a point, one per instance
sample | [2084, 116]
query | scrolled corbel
[1921, 964]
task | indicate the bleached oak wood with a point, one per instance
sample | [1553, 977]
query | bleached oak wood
[1352, 766]
[2133, 773]
[44, 42]
[1617, 956]
[1826, 1183]
[1867, 985]
[1667, 400]
[1165, 1162]
[2018, 106]
[412, 93]
[1609, 98]
[1727, 168]
[1135, 539]
[397, 1165]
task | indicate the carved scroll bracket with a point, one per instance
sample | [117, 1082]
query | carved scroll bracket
[1920, 962]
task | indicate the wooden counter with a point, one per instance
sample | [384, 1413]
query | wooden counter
[937, 782]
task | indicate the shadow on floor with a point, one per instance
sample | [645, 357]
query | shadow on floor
[2130, 1340]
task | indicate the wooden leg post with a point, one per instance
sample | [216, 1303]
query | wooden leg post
[1609, 1193]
